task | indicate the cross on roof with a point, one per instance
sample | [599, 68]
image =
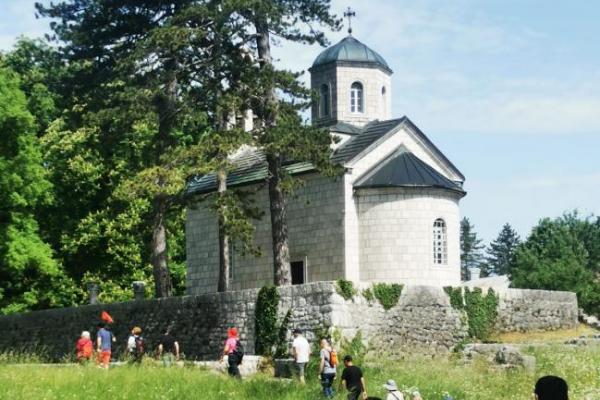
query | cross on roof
[349, 13]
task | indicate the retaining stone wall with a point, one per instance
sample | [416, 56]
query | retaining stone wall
[423, 320]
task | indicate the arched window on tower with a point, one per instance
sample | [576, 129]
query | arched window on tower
[324, 100]
[440, 243]
[356, 98]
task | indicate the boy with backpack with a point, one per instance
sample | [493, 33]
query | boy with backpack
[135, 345]
[327, 368]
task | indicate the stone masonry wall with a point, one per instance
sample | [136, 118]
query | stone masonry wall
[423, 320]
[315, 216]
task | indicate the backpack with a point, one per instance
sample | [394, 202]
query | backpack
[239, 351]
[333, 358]
[139, 345]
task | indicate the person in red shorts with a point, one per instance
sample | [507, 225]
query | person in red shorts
[84, 347]
[104, 340]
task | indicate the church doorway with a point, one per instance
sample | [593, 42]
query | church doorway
[298, 272]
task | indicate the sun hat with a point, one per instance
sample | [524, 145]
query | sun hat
[390, 385]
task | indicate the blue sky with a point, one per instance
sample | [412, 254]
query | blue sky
[509, 90]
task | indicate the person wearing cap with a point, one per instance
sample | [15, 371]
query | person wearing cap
[229, 350]
[551, 388]
[301, 353]
[393, 392]
[84, 347]
[353, 380]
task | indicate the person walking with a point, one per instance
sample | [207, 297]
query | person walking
[135, 345]
[327, 368]
[393, 392]
[353, 380]
[168, 349]
[301, 353]
[233, 352]
[104, 341]
[551, 387]
[84, 347]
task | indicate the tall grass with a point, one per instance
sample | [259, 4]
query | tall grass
[473, 381]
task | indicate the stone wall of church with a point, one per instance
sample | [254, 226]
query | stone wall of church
[315, 222]
[423, 320]
[377, 101]
[396, 236]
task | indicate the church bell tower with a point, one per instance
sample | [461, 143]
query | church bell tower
[353, 83]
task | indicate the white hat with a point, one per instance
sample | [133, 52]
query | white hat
[390, 385]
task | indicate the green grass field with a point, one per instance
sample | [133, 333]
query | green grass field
[478, 380]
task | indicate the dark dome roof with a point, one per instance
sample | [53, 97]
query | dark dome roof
[350, 50]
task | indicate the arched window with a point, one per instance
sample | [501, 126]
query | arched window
[440, 243]
[356, 97]
[324, 100]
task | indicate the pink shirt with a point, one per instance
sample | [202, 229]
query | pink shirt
[231, 344]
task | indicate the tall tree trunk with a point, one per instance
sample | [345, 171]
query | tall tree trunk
[162, 277]
[166, 108]
[224, 262]
[279, 229]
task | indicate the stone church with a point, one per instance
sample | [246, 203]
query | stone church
[392, 217]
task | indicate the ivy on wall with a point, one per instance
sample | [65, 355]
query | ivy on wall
[481, 309]
[265, 320]
[387, 294]
[345, 289]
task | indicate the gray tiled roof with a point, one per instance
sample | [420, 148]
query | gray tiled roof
[407, 170]
[251, 165]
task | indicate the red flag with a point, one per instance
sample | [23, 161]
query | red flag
[106, 317]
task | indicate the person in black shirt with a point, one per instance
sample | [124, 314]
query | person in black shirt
[353, 380]
[168, 349]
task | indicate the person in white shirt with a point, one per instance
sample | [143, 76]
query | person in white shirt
[301, 352]
[393, 392]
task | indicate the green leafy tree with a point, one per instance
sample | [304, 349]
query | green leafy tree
[41, 71]
[501, 251]
[281, 134]
[471, 255]
[560, 254]
[30, 276]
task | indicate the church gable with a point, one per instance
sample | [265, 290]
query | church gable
[381, 139]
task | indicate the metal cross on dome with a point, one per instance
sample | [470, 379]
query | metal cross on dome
[349, 13]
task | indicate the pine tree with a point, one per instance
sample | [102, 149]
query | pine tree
[501, 251]
[281, 135]
[471, 255]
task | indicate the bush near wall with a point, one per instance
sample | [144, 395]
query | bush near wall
[481, 310]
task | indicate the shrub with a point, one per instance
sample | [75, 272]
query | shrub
[482, 312]
[265, 320]
[345, 289]
[387, 294]
[456, 297]
[368, 294]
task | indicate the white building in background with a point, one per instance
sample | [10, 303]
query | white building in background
[392, 217]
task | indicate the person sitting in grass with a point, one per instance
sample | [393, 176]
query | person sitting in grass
[551, 388]
[392, 391]
[84, 347]
[353, 380]
[168, 349]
